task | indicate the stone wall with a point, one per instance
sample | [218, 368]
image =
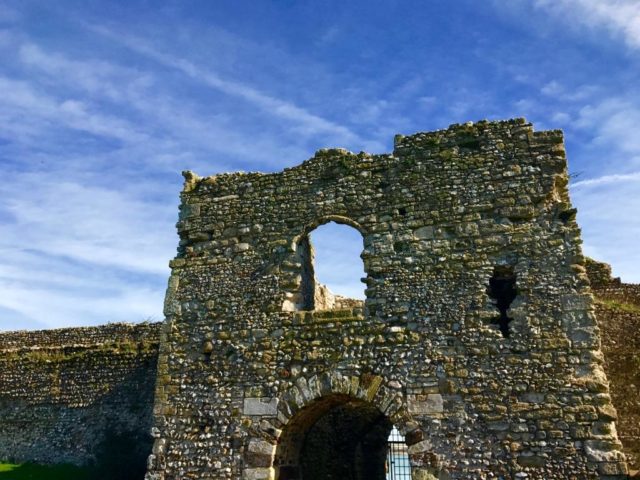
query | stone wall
[618, 313]
[477, 340]
[79, 395]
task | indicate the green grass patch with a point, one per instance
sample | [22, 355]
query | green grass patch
[625, 307]
[31, 471]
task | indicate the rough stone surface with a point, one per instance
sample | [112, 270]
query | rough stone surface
[260, 406]
[430, 404]
[453, 223]
[245, 376]
[618, 312]
[258, 474]
[78, 395]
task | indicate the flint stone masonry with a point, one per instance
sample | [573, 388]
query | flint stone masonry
[242, 384]
[79, 395]
[438, 217]
[618, 313]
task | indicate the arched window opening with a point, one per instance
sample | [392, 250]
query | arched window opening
[330, 268]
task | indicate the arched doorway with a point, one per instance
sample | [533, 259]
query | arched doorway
[336, 437]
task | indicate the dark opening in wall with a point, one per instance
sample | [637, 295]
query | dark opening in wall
[339, 437]
[122, 454]
[502, 289]
[308, 285]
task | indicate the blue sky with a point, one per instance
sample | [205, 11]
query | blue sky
[103, 103]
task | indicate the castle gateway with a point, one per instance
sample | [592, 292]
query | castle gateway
[477, 343]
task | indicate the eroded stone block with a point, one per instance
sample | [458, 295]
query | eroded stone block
[260, 406]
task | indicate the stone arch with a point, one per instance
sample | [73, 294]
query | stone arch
[336, 436]
[321, 220]
[297, 270]
[277, 456]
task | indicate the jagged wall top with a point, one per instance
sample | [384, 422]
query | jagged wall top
[467, 138]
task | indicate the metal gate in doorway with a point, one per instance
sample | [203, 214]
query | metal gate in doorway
[398, 466]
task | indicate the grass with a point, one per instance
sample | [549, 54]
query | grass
[625, 307]
[31, 471]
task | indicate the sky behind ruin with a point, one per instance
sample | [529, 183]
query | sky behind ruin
[103, 103]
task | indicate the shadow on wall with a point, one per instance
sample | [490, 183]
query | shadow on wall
[120, 456]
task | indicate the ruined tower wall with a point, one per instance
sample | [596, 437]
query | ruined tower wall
[618, 313]
[439, 217]
[78, 395]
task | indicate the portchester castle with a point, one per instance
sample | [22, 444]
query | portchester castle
[487, 341]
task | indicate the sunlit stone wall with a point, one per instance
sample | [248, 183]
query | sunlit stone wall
[477, 339]
[618, 313]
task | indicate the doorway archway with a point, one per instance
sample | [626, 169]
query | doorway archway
[316, 411]
[336, 437]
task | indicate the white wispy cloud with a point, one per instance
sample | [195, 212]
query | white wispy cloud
[608, 215]
[88, 224]
[607, 180]
[78, 254]
[96, 77]
[615, 121]
[307, 123]
[557, 90]
[59, 308]
[607, 119]
[620, 17]
[175, 121]
[25, 110]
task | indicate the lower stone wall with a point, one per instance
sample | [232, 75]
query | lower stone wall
[85, 395]
[618, 313]
[80, 395]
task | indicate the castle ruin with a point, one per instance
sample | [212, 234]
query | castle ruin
[477, 340]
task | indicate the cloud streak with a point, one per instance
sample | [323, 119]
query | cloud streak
[615, 120]
[607, 180]
[88, 224]
[76, 254]
[27, 111]
[102, 109]
[608, 215]
[308, 123]
[168, 121]
[620, 17]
